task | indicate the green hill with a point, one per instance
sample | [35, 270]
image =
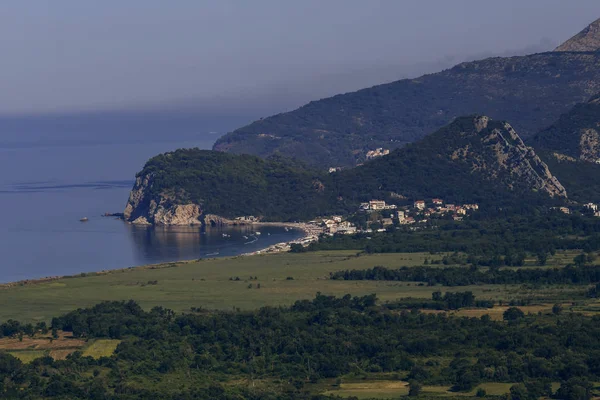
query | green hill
[181, 186]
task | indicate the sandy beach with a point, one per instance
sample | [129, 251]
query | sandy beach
[311, 234]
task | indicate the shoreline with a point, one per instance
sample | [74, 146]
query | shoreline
[310, 233]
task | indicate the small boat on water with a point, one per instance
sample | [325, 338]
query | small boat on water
[226, 235]
[287, 229]
[84, 219]
[245, 237]
[257, 233]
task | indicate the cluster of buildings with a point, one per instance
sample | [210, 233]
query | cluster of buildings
[594, 208]
[336, 224]
[420, 210]
[436, 207]
[377, 205]
[377, 153]
[590, 207]
[247, 218]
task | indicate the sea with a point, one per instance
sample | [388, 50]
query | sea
[52, 174]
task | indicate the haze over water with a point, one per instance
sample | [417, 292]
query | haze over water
[46, 187]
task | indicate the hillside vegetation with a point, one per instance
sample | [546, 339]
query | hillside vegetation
[530, 92]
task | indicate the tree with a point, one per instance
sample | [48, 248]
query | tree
[542, 258]
[519, 392]
[414, 388]
[575, 389]
[481, 392]
[557, 309]
[580, 260]
[513, 314]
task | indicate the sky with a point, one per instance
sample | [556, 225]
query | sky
[69, 56]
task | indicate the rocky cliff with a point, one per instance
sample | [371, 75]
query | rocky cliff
[586, 40]
[473, 159]
[146, 208]
[504, 156]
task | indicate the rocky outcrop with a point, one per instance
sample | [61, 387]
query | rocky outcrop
[589, 145]
[586, 40]
[146, 208]
[502, 155]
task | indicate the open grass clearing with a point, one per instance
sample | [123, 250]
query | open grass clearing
[207, 284]
[101, 348]
[30, 348]
[281, 280]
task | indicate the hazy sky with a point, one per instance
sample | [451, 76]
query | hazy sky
[71, 55]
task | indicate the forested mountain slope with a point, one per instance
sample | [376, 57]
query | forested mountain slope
[530, 91]
[472, 159]
[576, 134]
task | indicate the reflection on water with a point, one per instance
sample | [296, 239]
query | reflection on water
[45, 192]
[160, 244]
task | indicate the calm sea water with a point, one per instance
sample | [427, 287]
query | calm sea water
[46, 187]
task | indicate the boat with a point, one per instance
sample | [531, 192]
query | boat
[84, 219]
[245, 237]
[226, 235]
[287, 229]
[257, 233]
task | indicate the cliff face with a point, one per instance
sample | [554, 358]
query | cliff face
[144, 208]
[506, 157]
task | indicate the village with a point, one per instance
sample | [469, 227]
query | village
[588, 209]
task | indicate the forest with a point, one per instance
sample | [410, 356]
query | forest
[286, 350]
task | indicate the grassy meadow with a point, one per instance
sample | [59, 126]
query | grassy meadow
[277, 279]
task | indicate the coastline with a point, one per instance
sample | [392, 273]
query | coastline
[311, 234]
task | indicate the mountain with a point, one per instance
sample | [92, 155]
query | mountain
[473, 159]
[576, 134]
[586, 40]
[530, 91]
[571, 148]
[193, 186]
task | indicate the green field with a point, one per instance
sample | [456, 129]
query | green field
[383, 389]
[101, 348]
[207, 284]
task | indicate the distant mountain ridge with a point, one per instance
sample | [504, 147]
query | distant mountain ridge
[586, 40]
[530, 91]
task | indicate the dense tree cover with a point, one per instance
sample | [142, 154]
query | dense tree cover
[530, 92]
[580, 178]
[460, 276]
[484, 235]
[312, 340]
[231, 186]
[564, 136]
[447, 301]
